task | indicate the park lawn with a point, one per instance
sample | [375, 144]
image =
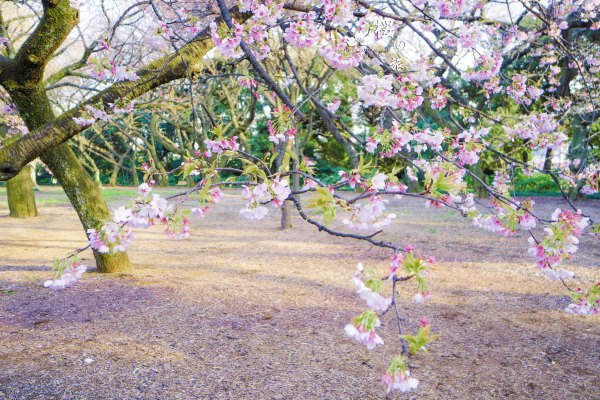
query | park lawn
[242, 310]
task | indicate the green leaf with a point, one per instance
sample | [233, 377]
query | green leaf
[372, 280]
[420, 340]
[368, 320]
[323, 202]
[398, 363]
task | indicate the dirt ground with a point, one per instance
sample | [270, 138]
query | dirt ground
[245, 311]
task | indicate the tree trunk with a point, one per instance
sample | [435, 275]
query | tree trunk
[114, 175]
[19, 190]
[578, 153]
[85, 196]
[163, 181]
[33, 174]
[89, 163]
[480, 191]
[548, 160]
[134, 175]
[286, 215]
[286, 209]
[87, 200]
[97, 177]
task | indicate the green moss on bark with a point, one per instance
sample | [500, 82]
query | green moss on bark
[87, 200]
[21, 200]
[84, 194]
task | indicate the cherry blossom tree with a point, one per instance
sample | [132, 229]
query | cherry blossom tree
[437, 85]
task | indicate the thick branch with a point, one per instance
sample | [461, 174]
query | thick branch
[58, 20]
[188, 60]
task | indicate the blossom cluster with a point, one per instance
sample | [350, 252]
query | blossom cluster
[68, 272]
[219, 146]
[148, 210]
[304, 32]
[341, 55]
[368, 287]
[377, 91]
[369, 215]
[541, 130]
[102, 69]
[398, 377]
[562, 239]
[468, 145]
[363, 327]
[505, 218]
[274, 193]
[585, 302]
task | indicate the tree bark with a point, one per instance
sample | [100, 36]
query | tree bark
[19, 190]
[480, 190]
[87, 200]
[33, 174]
[114, 175]
[286, 215]
[85, 196]
[134, 175]
[578, 150]
[548, 160]
[163, 181]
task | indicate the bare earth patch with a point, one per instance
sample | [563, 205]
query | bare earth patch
[246, 311]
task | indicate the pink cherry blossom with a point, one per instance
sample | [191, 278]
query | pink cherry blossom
[369, 215]
[254, 213]
[365, 337]
[377, 91]
[71, 275]
[144, 189]
[216, 194]
[304, 32]
[341, 55]
[401, 381]
[229, 43]
[409, 95]
[281, 190]
[121, 215]
[421, 298]
[527, 221]
[439, 97]
[378, 181]
[334, 105]
[352, 179]
[338, 12]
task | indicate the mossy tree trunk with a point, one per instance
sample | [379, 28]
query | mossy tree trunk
[85, 196]
[22, 77]
[19, 190]
[33, 174]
